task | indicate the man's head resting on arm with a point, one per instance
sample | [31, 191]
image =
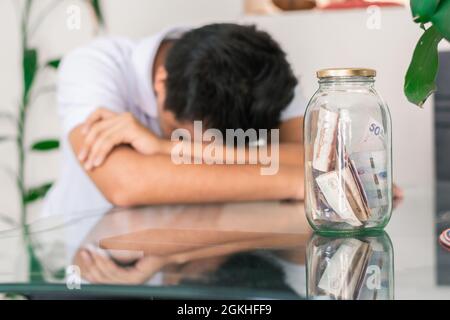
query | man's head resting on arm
[229, 76]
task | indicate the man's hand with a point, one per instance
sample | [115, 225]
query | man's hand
[97, 267]
[105, 129]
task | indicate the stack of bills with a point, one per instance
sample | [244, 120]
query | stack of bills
[350, 182]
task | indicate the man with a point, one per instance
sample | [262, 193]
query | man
[120, 102]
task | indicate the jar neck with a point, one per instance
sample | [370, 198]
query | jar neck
[356, 82]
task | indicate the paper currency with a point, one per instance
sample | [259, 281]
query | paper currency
[371, 168]
[347, 188]
[325, 140]
[345, 271]
[373, 137]
[355, 193]
[320, 211]
[343, 138]
[332, 187]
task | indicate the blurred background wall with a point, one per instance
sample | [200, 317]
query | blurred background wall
[312, 40]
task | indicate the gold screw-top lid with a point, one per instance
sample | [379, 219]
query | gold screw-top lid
[346, 72]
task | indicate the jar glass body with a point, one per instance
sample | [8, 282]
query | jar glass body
[348, 157]
[350, 268]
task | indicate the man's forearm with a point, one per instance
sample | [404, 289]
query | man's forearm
[129, 178]
[139, 180]
[285, 153]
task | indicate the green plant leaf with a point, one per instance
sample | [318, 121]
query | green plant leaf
[30, 66]
[36, 193]
[441, 19]
[423, 10]
[45, 145]
[96, 6]
[420, 79]
[53, 63]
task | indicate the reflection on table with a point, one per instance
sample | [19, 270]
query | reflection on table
[350, 268]
[252, 248]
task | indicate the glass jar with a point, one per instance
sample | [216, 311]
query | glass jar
[350, 268]
[347, 140]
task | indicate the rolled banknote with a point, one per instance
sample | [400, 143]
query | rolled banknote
[325, 140]
[343, 138]
[333, 188]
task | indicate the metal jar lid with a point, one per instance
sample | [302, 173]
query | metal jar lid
[346, 72]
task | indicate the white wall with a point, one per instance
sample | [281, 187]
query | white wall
[312, 40]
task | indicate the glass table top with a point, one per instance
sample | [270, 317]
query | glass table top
[228, 251]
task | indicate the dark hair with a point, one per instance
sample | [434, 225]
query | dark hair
[229, 76]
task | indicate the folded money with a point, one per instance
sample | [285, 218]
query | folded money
[345, 271]
[371, 169]
[355, 193]
[325, 140]
[350, 189]
[343, 138]
[320, 211]
[373, 138]
[334, 188]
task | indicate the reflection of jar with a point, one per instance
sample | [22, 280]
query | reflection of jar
[346, 268]
[347, 131]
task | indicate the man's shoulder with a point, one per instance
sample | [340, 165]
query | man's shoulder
[104, 50]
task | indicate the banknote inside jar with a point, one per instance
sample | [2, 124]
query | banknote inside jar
[348, 186]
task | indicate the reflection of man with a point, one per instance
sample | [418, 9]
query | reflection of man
[163, 244]
[120, 101]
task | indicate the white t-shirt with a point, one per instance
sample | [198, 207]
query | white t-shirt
[113, 73]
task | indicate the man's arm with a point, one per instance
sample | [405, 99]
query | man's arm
[128, 178]
[288, 148]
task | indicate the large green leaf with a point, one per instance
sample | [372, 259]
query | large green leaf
[420, 80]
[30, 66]
[45, 145]
[53, 63]
[441, 19]
[96, 6]
[423, 10]
[36, 193]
